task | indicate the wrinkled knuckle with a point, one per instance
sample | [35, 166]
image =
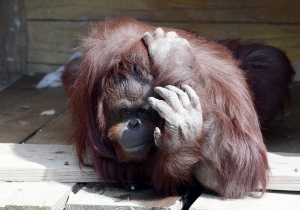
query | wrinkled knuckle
[147, 34]
[184, 112]
[192, 99]
[174, 128]
[185, 86]
[191, 90]
[169, 86]
[196, 98]
[159, 32]
[185, 42]
[172, 34]
[173, 95]
[182, 95]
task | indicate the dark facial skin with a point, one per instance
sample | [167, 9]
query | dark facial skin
[133, 119]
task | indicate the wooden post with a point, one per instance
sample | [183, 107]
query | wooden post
[12, 41]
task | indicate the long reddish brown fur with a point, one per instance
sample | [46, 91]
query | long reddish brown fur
[232, 142]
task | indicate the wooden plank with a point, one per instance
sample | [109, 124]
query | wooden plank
[101, 197]
[284, 171]
[188, 11]
[270, 201]
[53, 42]
[296, 65]
[37, 162]
[34, 195]
[21, 106]
[58, 131]
[284, 133]
[12, 41]
[33, 162]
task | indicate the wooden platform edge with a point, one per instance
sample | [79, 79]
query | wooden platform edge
[34, 195]
[39, 162]
[269, 201]
[33, 162]
[97, 196]
[284, 171]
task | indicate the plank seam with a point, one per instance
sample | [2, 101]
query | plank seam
[43, 126]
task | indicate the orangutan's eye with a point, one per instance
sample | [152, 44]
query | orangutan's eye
[125, 111]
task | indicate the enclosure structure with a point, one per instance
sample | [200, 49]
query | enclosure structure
[39, 36]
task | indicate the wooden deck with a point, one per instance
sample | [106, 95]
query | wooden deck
[21, 121]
